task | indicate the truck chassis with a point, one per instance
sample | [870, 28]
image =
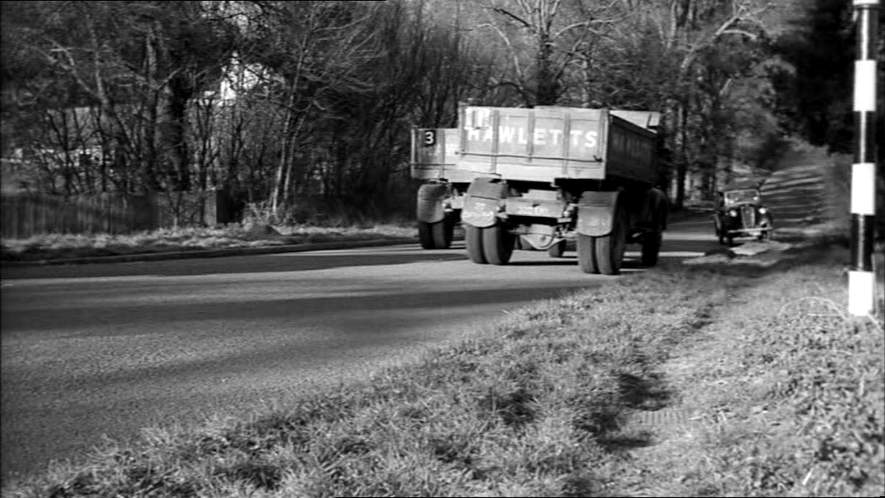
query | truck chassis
[599, 217]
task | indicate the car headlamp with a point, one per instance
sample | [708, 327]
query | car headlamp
[732, 212]
[762, 210]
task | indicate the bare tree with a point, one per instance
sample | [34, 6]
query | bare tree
[542, 40]
[312, 50]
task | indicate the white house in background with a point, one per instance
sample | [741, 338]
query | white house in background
[238, 78]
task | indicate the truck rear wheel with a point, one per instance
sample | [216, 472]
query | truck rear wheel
[425, 235]
[434, 235]
[585, 254]
[449, 230]
[473, 241]
[651, 247]
[608, 250]
[497, 244]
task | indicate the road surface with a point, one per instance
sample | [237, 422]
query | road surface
[107, 349]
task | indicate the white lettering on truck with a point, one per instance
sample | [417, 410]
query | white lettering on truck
[541, 136]
[575, 135]
[505, 134]
[556, 136]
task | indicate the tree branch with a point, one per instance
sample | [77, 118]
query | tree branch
[513, 52]
[512, 16]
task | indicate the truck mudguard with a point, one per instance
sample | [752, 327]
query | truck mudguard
[596, 213]
[430, 202]
[482, 201]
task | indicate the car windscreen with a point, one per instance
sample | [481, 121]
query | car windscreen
[741, 196]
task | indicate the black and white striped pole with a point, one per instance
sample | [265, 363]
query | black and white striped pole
[861, 279]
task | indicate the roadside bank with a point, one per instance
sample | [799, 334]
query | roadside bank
[706, 379]
[195, 243]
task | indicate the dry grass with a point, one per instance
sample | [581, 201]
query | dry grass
[781, 396]
[57, 246]
[708, 381]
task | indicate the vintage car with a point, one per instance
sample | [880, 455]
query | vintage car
[740, 213]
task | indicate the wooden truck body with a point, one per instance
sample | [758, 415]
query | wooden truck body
[552, 143]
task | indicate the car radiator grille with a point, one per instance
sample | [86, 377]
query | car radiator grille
[748, 216]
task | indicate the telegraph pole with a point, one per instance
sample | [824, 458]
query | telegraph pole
[861, 279]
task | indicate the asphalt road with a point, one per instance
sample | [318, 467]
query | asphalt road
[107, 349]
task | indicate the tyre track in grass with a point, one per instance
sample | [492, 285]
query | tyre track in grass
[723, 411]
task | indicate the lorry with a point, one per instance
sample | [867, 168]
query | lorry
[434, 160]
[548, 175]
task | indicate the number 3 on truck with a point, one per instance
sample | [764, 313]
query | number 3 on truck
[429, 138]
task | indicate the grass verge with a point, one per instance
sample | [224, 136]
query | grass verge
[676, 382]
[60, 246]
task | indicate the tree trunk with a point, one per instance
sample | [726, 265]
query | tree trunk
[149, 159]
[288, 137]
[173, 143]
[548, 88]
[585, 88]
[287, 182]
[682, 162]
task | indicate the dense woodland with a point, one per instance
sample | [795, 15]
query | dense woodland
[295, 104]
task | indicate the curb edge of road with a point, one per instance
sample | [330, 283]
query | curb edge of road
[232, 251]
[214, 253]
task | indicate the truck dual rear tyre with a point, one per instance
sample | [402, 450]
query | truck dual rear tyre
[435, 235]
[492, 245]
[609, 249]
[585, 254]
[604, 254]
[425, 234]
[497, 244]
[473, 241]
